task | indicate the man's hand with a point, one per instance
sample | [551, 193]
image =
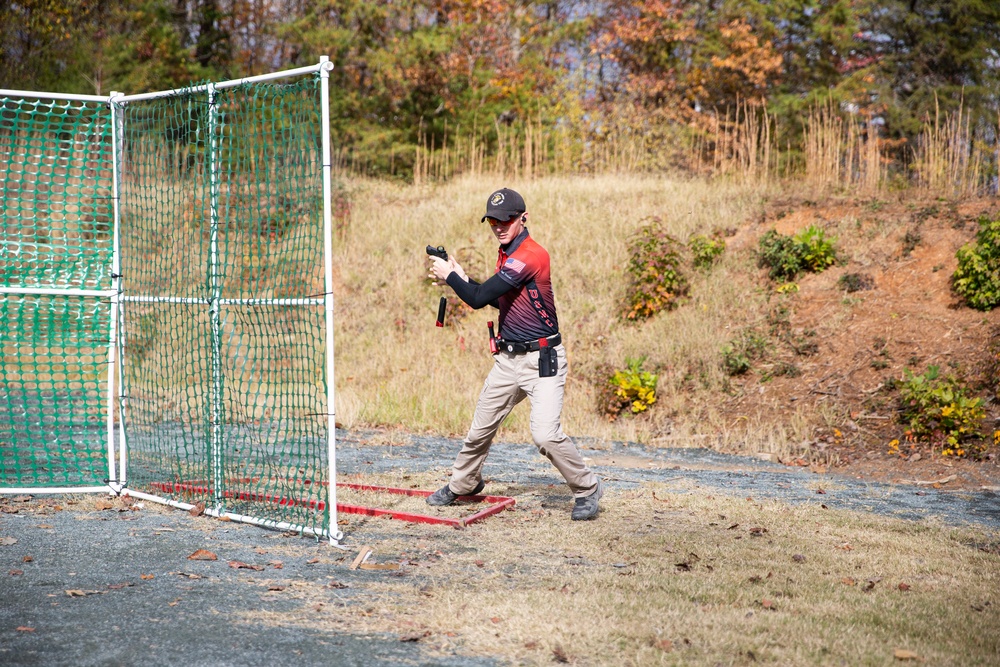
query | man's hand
[440, 269]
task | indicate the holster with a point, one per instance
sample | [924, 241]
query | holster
[548, 361]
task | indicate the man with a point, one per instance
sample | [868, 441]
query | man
[530, 360]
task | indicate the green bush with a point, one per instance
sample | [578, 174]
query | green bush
[787, 256]
[704, 250]
[656, 281]
[977, 278]
[940, 411]
[739, 354]
[631, 390]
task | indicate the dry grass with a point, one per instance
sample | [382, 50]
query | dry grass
[669, 575]
[394, 367]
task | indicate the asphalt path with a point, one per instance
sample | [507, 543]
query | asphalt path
[82, 586]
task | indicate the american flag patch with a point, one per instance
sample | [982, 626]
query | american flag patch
[514, 264]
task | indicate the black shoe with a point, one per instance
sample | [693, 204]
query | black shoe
[586, 507]
[445, 496]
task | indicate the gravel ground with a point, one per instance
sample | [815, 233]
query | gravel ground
[89, 586]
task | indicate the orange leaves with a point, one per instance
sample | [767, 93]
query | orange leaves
[749, 61]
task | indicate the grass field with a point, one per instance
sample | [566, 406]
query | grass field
[671, 575]
[395, 368]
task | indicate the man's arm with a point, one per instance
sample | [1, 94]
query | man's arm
[476, 295]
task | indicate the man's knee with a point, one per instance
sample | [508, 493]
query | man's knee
[547, 436]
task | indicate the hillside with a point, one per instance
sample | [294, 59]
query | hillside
[855, 344]
[821, 391]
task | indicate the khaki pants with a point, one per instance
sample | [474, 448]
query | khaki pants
[514, 377]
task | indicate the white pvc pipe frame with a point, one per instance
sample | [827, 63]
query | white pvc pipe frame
[116, 485]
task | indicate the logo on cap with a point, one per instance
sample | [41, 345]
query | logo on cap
[496, 199]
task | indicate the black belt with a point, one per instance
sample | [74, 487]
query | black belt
[515, 347]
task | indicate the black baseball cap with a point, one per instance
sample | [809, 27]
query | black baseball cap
[503, 205]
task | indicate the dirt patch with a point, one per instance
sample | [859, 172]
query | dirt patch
[836, 353]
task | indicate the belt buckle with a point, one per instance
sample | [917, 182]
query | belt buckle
[510, 348]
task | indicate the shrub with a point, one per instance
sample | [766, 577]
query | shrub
[632, 390]
[977, 278]
[856, 282]
[938, 410]
[818, 252]
[739, 354]
[705, 251]
[656, 280]
[786, 256]
[780, 255]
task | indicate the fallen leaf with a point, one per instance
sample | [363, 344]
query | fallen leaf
[757, 531]
[240, 565]
[767, 604]
[25, 628]
[15, 573]
[43, 525]
[733, 527]
[903, 587]
[276, 564]
[480, 563]
[77, 593]
[870, 584]
[531, 644]
[495, 619]
[558, 654]
[845, 546]
[20, 499]
[799, 558]
[197, 510]
[903, 654]
[115, 587]
[275, 587]
[7, 541]
[312, 561]
[203, 554]
[104, 505]
[664, 645]
[847, 581]
[174, 603]
[821, 490]
[415, 636]
[27, 559]
[146, 577]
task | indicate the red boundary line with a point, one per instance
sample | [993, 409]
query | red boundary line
[497, 503]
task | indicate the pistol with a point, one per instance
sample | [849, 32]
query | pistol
[437, 252]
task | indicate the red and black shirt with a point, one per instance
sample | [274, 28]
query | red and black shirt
[521, 288]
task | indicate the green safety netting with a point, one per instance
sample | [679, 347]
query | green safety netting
[56, 237]
[221, 319]
[223, 315]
